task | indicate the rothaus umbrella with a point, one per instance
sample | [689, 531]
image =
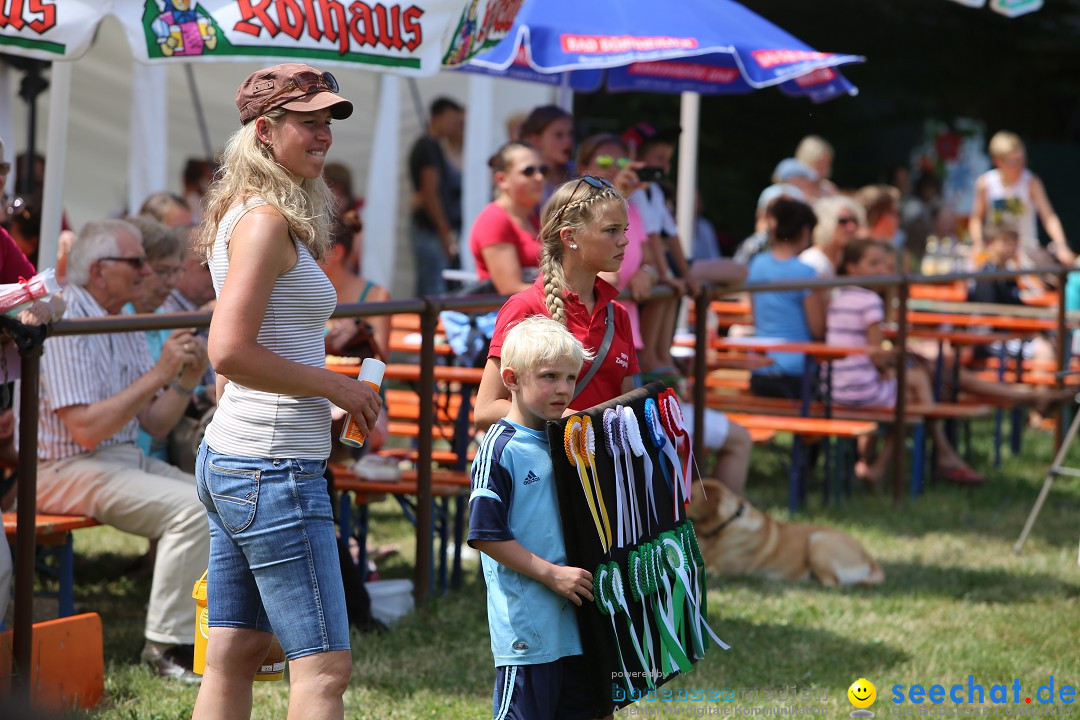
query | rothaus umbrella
[693, 46]
[703, 46]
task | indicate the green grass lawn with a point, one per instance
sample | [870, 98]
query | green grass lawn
[956, 602]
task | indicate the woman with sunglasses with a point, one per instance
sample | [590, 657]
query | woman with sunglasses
[503, 237]
[273, 549]
[840, 220]
[583, 234]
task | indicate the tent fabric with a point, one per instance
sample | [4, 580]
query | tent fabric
[415, 38]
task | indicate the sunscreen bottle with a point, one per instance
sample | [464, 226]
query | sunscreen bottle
[371, 372]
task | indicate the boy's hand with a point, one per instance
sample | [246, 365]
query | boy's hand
[571, 582]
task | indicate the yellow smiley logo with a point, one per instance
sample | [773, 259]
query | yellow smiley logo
[862, 693]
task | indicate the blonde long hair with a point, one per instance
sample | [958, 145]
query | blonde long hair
[574, 204]
[248, 169]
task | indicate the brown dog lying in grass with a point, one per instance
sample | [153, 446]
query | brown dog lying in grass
[738, 539]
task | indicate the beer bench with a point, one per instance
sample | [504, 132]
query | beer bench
[53, 536]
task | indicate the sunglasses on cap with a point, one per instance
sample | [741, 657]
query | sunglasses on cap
[591, 180]
[307, 82]
[607, 161]
[530, 170]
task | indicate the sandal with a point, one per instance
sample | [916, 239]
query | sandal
[962, 476]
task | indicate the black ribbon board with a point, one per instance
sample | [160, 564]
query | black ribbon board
[585, 550]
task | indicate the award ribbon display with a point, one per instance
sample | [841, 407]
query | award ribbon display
[572, 445]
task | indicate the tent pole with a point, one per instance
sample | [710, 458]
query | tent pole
[52, 205]
[200, 116]
[480, 134]
[147, 157]
[381, 194]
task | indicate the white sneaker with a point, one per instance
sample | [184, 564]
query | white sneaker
[377, 467]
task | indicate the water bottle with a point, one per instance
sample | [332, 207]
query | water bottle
[371, 372]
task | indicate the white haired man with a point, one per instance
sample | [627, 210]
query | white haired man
[96, 390]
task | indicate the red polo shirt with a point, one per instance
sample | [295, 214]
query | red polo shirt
[621, 359]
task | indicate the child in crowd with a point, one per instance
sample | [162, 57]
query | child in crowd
[1002, 243]
[855, 318]
[1010, 193]
[514, 521]
[1002, 248]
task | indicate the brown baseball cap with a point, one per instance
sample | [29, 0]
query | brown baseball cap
[293, 86]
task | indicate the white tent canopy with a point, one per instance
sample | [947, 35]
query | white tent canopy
[116, 150]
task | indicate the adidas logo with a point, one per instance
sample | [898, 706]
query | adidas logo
[531, 478]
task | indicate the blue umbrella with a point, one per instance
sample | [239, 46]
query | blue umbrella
[704, 46]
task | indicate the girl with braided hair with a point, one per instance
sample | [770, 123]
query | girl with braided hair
[583, 233]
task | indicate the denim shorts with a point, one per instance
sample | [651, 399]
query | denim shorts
[273, 550]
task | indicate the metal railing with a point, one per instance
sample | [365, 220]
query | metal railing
[428, 308]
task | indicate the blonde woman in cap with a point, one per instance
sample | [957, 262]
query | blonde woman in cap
[273, 551]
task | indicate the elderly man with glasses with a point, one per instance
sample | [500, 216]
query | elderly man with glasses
[96, 391]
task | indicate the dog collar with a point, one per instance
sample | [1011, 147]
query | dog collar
[717, 530]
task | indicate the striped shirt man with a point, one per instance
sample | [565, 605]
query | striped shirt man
[83, 370]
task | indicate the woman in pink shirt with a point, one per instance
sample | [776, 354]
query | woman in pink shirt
[504, 235]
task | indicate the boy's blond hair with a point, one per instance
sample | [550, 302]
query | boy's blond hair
[1004, 142]
[538, 340]
[993, 231]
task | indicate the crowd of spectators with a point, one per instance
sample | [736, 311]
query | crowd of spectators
[122, 413]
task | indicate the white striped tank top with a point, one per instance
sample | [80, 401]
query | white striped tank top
[253, 423]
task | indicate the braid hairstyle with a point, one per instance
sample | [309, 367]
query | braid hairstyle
[574, 204]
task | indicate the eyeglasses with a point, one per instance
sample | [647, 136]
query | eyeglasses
[847, 221]
[596, 182]
[306, 82]
[137, 262]
[5, 168]
[530, 170]
[167, 272]
[607, 161]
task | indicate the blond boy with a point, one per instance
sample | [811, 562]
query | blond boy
[1010, 194]
[514, 521]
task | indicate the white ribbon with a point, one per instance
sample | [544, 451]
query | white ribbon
[632, 433]
[631, 481]
[622, 502]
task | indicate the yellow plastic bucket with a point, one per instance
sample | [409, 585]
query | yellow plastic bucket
[272, 666]
[202, 626]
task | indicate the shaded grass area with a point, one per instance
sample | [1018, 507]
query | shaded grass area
[956, 601]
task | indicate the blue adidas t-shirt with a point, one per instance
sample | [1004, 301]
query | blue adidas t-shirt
[514, 498]
[780, 314]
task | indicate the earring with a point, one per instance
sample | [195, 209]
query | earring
[573, 246]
